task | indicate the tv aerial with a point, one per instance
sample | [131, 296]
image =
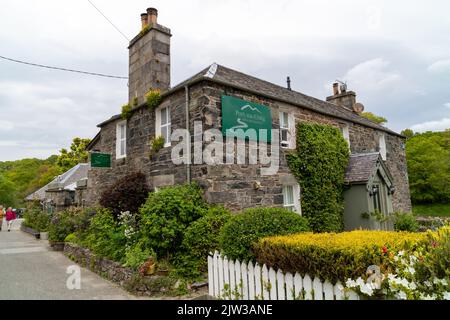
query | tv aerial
[343, 85]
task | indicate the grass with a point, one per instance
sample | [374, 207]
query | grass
[435, 210]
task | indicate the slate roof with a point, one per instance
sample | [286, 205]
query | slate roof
[226, 76]
[66, 180]
[361, 167]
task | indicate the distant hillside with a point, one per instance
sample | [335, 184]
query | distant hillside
[22, 177]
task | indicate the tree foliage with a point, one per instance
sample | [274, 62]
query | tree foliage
[428, 160]
[77, 154]
[21, 177]
[374, 118]
[319, 165]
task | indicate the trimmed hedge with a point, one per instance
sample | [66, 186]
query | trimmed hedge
[243, 230]
[334, 256]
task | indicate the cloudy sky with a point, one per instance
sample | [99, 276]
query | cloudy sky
[394, 54]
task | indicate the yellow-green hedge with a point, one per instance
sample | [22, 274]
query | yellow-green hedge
[334, 256]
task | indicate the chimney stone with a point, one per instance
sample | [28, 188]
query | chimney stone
[149, 58]
[144, 20]
[345, 99]
[152, 16]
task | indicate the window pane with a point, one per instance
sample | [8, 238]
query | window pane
[122, 131]
[163, 116]
[122, 147]
[164, 134]
[288, 196]
[284, 135]
[284, 120]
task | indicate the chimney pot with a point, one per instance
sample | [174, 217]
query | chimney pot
[144, 20]
[335, 88]
[152, 16]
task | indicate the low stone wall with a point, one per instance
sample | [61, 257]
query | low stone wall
[127, 278]
[431, 223]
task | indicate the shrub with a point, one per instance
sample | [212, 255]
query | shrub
[201, 238]
[153, 98]
[334, 256]
[127, 194]
[105, 236]
[319, 164]
[167, 213]
[36, 219]
[135, 256]
[126, 112]
[242, 231]
[405, 222]
[68, 221]
[72, 238]
[156, 144]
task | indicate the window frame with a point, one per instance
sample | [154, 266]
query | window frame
[289, 127]
[159, 126]
[345, 130]
[119, 139]
[295, 206]
[382, 146]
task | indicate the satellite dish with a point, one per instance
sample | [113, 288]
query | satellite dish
[358, 107]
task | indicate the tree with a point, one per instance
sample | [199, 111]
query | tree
[408, 133]
[77, 154]
[428, 160]
[7, 192]
[374, 118]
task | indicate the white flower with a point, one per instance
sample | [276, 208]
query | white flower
[366, 289]
[360, 282]
[446, 295]
[350, 283]
[401, 253]
[411, 270]
[412, 286]
[427, 283]
[401, 295]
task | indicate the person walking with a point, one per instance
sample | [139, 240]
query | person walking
[2, 215]
[10, 217]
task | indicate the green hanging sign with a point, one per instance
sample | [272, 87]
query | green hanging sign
[240, 116]
[100, 160]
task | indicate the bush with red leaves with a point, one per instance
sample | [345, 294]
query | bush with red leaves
[127, 194]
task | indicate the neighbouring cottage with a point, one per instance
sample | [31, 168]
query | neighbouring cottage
[221, 98]
[66, 190]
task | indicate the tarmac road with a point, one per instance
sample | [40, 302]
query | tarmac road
[30, 270]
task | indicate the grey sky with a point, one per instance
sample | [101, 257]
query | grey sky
[394, 54]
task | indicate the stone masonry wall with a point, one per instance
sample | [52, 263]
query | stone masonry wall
[230, 185]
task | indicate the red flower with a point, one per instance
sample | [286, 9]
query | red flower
[384, 250]
[434, 244]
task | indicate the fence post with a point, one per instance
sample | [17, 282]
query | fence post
[217, 293]
[237, 267]
[298, 286]
[307, 285]
[318, 289]
[280, 285]
[273, 284]
[244, 281]
[210, 276]
[265, 282]
[258, 290]
[232, 278]
[289, 280]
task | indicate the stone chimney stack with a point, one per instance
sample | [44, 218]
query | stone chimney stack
[344, 98]
[149, 58]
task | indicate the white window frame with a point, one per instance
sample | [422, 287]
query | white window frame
[159, 126]
[346, 134]
[383, 150]
[119, 139]
[295, 205]
[290, 128]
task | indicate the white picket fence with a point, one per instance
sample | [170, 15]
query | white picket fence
[233, 280]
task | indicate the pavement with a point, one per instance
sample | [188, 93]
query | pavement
[30, 270]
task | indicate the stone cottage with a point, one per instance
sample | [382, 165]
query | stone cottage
[207, 98]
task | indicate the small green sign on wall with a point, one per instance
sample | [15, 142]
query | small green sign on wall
[100, 160]
[239, 115]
